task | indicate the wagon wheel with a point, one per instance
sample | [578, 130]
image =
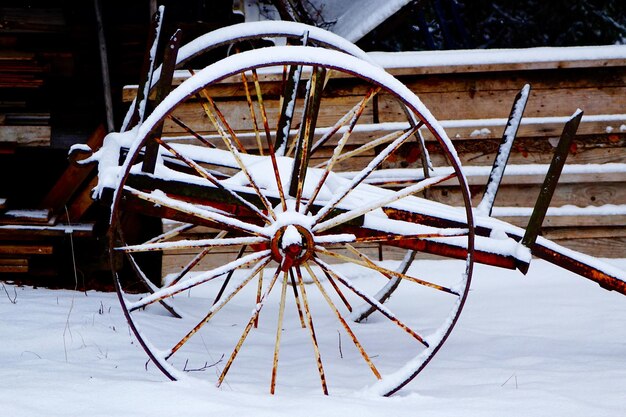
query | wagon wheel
[279, 210]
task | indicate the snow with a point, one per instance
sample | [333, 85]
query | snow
[549, 343]
[461, 57]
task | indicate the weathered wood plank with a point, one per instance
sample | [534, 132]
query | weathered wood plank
[10, 249]
[25, 135]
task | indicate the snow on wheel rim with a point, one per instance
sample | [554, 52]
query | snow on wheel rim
[290, 256]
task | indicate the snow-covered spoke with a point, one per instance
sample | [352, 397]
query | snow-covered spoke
[370, 300]
[188, 209]
[201, 278]
[376, 204]
[218, 241]
[353, 116]
[151, 287]
[211, 178]
[217, 306]
[343, 322]
[255, 313]
[375, 163]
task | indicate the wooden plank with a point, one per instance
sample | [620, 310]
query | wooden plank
[26, 216]
[15, 266]
[15, 249]
[22, 232]
[82, 201]
[25, 135]
[600, 247]
[73, 177]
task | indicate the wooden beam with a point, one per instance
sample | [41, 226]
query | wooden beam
[73, 177]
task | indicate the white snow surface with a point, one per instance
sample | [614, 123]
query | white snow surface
[549, 343]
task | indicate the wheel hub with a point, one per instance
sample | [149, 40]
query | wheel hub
[292, 245]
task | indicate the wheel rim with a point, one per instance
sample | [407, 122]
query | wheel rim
[288, 219]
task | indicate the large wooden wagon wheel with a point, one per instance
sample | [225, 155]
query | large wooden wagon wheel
[281, 229]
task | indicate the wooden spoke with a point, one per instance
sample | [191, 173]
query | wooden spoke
[259, 291]
[150, 286]
[328, 166]
[370, 300]
[368, 263]
[309, 320]
[201, 278]
[296, 297]
[218, 241]
[312, 103]
[375, 163]
[366, 208]
[191, 131]
[338, 291]
[229, 276]
[268, 137]
[343, 322]
[224, 222]
[366, 147]
[352, 115]
[216, 307]
[191, 264]
[246, 331]
[255, 125]
[210, 177]
[171, 233]
[279, 332]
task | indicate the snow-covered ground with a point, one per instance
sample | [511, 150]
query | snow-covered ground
[547, 344]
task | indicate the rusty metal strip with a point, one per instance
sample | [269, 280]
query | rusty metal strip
[309, 319]
[343, 323]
